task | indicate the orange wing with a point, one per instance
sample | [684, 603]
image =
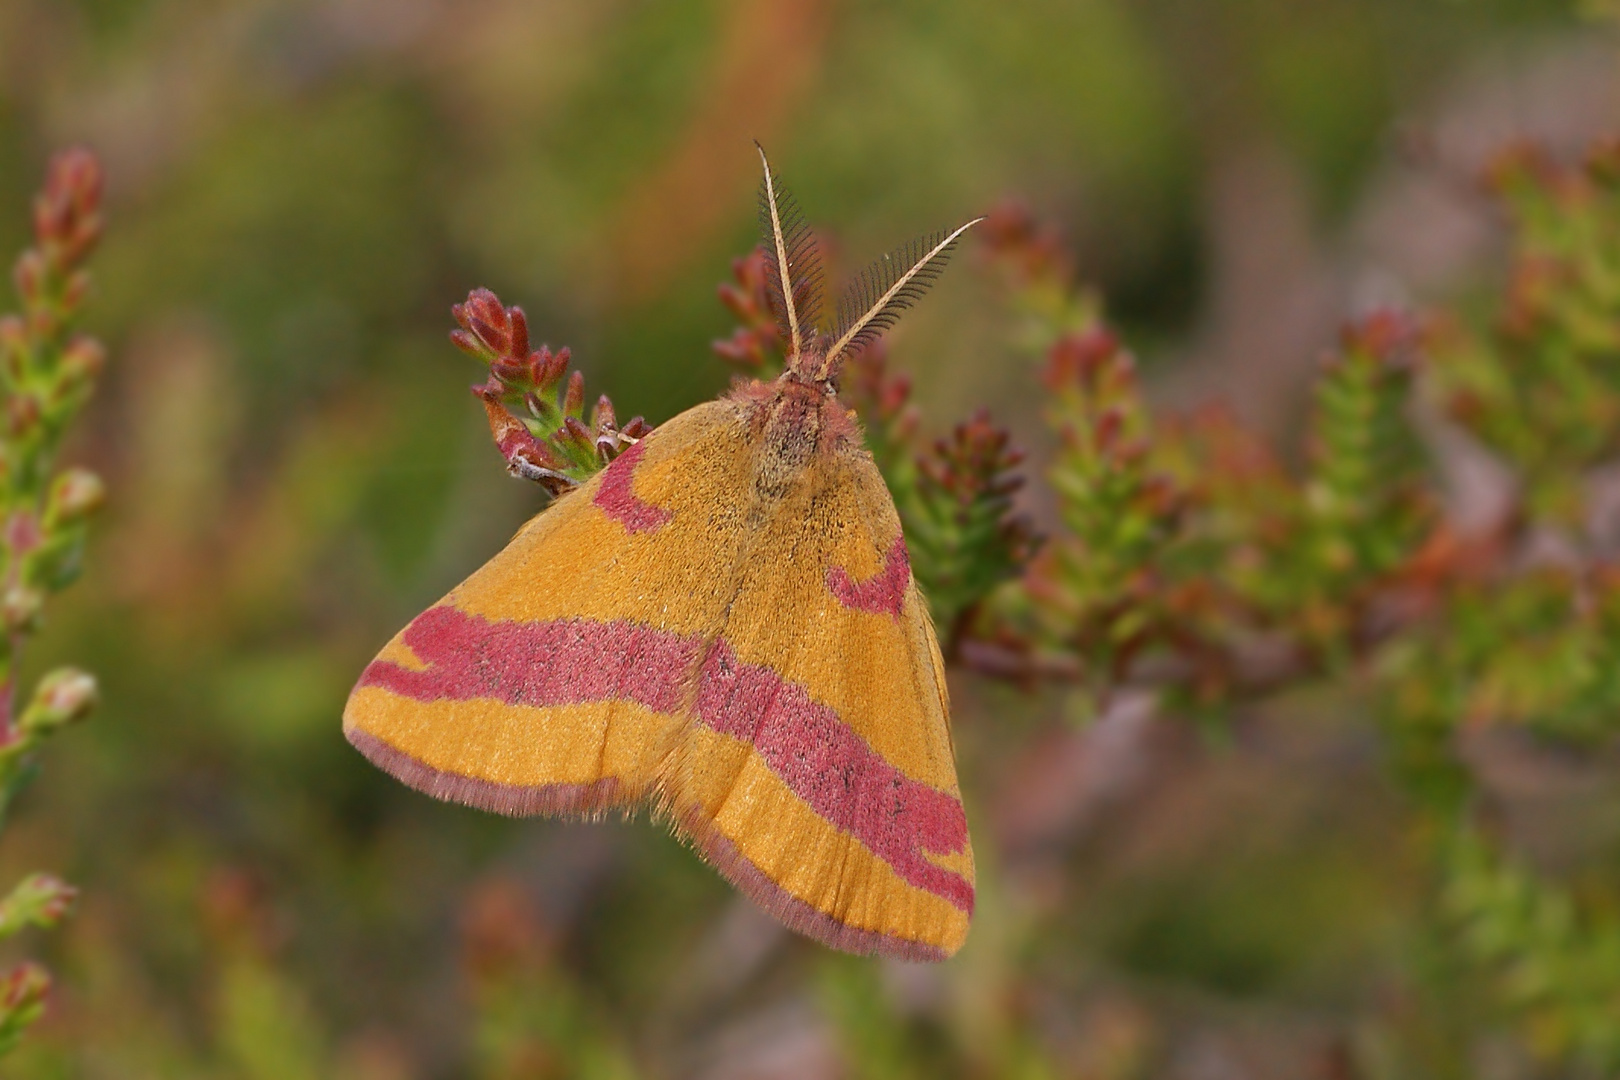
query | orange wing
[552, 680]
[818, 774]
[769, 680]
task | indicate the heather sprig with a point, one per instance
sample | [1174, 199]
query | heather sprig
[537, 421]
[1550, 962]
[47, 372]
[1362, 509]
[755, 346]
[1095, 591]
[1540, 385]
[965, 536]
[1191, 562]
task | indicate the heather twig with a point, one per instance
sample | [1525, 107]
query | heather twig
[537, 421]
[47, 372]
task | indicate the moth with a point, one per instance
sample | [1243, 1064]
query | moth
[721, 627]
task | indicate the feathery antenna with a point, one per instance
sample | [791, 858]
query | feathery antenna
[885, 289]
[794, 270]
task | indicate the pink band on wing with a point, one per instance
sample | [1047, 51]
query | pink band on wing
[564, 662]
[829, 766]
[806, 744]
[881, 594]
[616, 497]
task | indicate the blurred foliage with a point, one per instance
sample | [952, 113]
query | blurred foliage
[1384, 849]
[1169, 575]
[46, 374]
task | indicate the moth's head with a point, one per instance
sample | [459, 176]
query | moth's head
[807, 366]
[797, 416]
[870, 304]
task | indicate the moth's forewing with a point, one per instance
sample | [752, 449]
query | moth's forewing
[762, 672]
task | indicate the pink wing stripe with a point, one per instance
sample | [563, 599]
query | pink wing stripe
[566, 662]
[833, 769]
[882, 594]
[616, 498]
[819, 757]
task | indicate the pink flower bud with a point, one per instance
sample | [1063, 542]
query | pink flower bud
[519, 328]
[13, 333]
[1390, 335]
[1109, 426]
[72, 192]
[577, 431]
[602, 418]
[22, 414]
[894, 393]
[547, 367]
[1079, 357]
[574, 399]
[22, 532]
[494, 336]
[75, 290]
[67, 213]
[488, 330]
[29, 276]
[75, 494]
[741, 348]
[19, 607]
[23, 989]
[63, 696]
[83, 359]
[37, 900]
[507, 370]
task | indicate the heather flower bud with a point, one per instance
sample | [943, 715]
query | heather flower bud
[487, 329]
[75, 290]
[37, 900]
[602, 418]
[1390, 335]
[468, 344]
[1080, 357]
[518, 324]
[75, 494]
[67, 214]
[22, 533]
[509, 371]
[574, 398]
[82, 361]
[22, 414]
[549, 366]
[19, 607]
[742, 348]
[63, 696]
[13, 333]
[575, 431]
[1110, 425]
[22, 993]
[29, 275]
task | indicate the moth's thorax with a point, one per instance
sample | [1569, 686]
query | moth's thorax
[795, 423]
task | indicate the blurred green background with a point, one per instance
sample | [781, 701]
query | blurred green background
[297, 193]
